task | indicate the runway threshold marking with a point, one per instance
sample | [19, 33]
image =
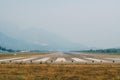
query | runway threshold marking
[97, 60]
[117, 59]
[26, 59]
[11, 59]
[60, 60]
[79, 60]
[43, 59]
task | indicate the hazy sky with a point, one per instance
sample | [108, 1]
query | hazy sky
[93, 23]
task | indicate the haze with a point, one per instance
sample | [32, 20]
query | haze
[94, 23]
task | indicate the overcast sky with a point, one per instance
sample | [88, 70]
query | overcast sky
[94, 23]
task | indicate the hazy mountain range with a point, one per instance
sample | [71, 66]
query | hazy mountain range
[36, 39]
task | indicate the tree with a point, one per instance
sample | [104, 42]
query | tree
[4, 49]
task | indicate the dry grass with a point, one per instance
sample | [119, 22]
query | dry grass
[59, 72]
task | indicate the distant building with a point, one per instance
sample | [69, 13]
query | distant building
[24, 51]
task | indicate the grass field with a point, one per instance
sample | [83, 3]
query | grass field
[59, 72]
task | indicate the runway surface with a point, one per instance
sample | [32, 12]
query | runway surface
[60, 57]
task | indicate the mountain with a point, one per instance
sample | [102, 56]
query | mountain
[51, 43]
[14, 37]
[11, 43]
[48, 39]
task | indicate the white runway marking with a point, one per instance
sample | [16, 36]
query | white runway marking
[11, 59]
[26, 59]
[113, 58]
[97, 60]
[60, 60]
[79, 60]
[42, 60]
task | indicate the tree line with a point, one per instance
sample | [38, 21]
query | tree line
[112, 50]
[5, 49]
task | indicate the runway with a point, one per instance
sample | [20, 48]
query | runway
[64, 58]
